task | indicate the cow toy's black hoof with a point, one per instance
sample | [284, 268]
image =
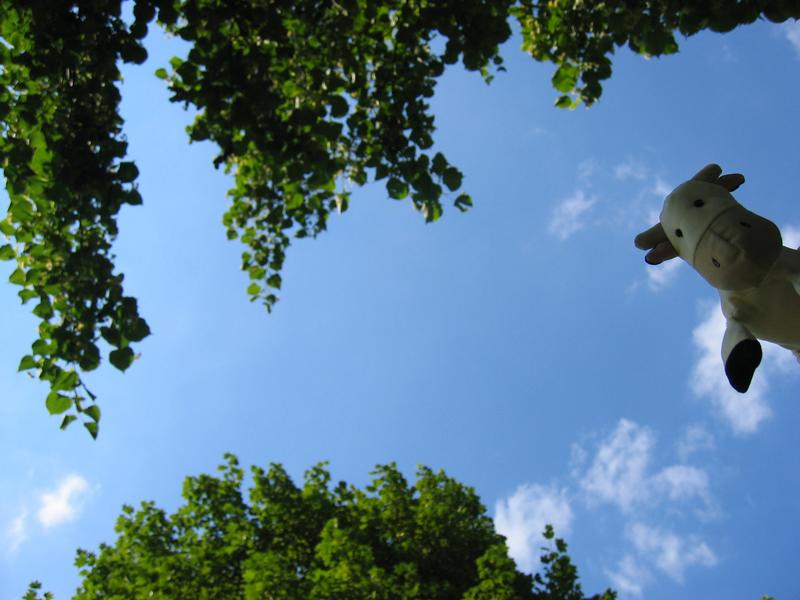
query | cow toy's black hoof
[742, 363]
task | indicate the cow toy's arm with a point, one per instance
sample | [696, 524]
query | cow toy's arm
[789, 262]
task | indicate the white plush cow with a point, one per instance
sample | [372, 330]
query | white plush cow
[742, 255]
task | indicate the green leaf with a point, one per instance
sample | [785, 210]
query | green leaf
[27, 363]
[43, 310]
[452, 178]
[439, 164]
[17, 277]
[91, 427]
[57, 403]
[161, 73]
[111, 335]
[127, 171]
[93, 412]
[133, 53]
[7, 252]
[381, 171]
[397, 188]
[339, 107]
[565, 77]
[90, 359]
[66, 381]
[463, 202]
[26, 294]
[294, 200]
[274, 281]
[138, 330]
[121, 358]
[564, 102]
[66, 421]
[342, 201]
[432, 211]
[42, 347]
[254, 289]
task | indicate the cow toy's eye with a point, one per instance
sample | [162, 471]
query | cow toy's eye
[716, 262]
[679, 233]
[699, 202]
[745, 224]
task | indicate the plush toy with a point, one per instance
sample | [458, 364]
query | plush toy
[742, 255]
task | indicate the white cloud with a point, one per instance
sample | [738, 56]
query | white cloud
[791, 29]
[671, 553]
[660, 276]
[567, 218]
[522, 517]
[64, 503]
[684, 483]
[694, 439]
[791, 236]
[17, 533]
[587, 168]
[618, 472]
[661, 188]
[744, 413]
[629, 577]
[631, 170]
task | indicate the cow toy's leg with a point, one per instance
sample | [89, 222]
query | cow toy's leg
[741, 353]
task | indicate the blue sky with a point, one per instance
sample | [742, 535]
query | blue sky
[524, 347]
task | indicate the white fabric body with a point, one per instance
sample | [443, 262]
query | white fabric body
[770, 311]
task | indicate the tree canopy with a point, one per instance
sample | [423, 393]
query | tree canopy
[393, 540]
[305, 100]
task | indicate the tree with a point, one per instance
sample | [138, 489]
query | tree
[393, 540]
[304, 99]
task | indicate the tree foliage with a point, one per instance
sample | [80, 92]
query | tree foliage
[430, 540]
[305, 99]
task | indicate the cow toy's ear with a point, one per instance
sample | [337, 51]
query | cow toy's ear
[709, 173]
[713, 174]
[650, 238]
[731, 181]
[655, 240]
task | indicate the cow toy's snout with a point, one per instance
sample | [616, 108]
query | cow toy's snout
[737, 250]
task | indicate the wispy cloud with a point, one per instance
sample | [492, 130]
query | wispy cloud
[694, 439]
[685, 483]
[620, 469]
[17, 531]
[791, 30]
[587, 168]
[791, 236]
[617, 474]
[670, 552]
[661, 188]
[631, 169]
[620, 474]
[629, 577]
[522, 517]
[64, 503]
[569, 214]
[744, 413]
[661, 276]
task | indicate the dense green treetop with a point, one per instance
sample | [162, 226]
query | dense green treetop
[430, 540]
[305, 100]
